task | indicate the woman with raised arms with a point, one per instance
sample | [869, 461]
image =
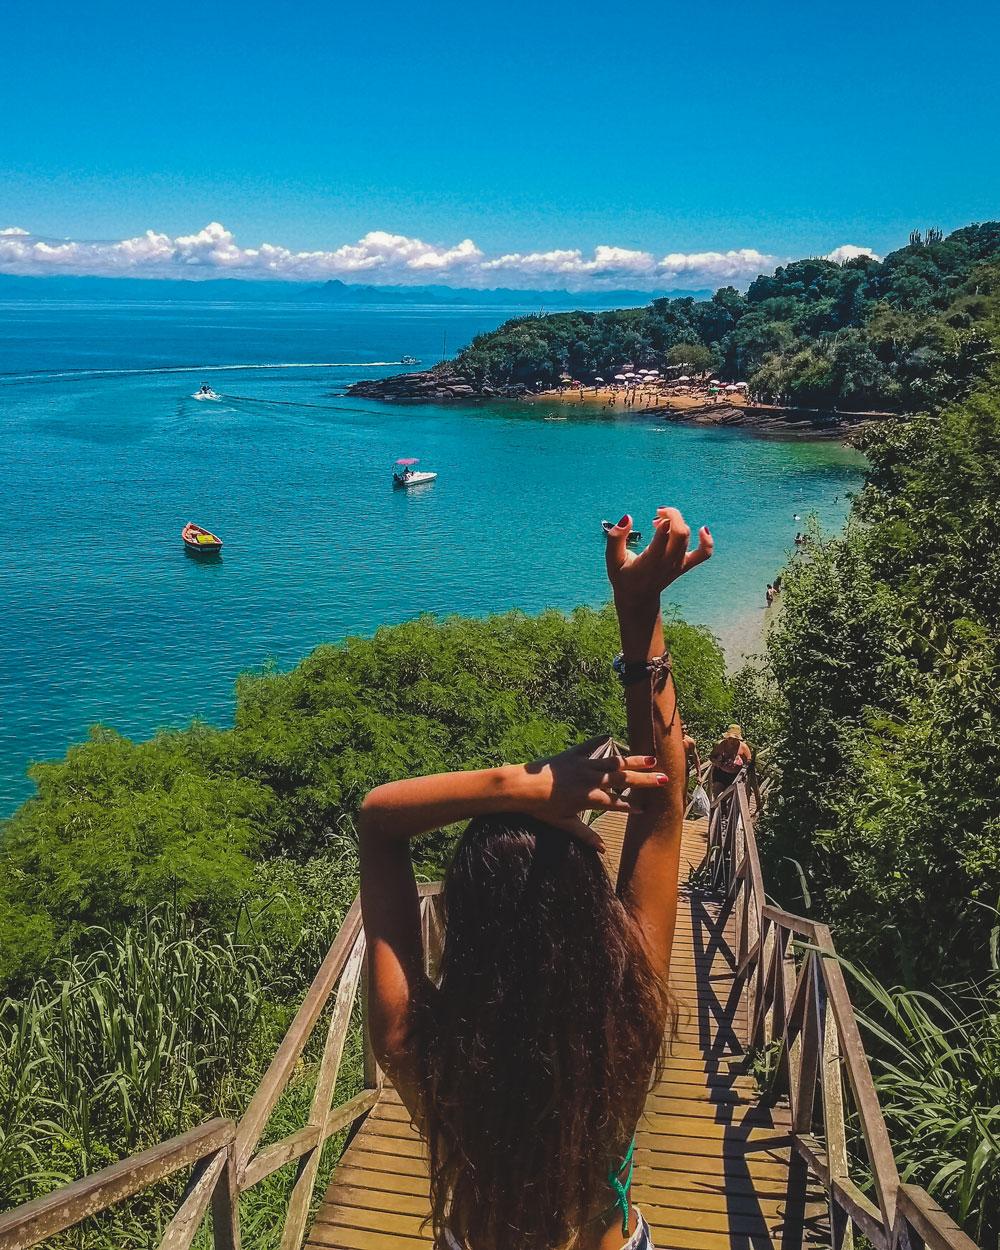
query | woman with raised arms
[526, 1068]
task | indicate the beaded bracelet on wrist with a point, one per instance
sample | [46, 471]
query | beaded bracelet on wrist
[632, 671]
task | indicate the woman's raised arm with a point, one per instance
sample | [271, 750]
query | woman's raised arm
[647, 879]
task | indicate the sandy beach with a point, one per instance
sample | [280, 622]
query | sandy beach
[641, 399]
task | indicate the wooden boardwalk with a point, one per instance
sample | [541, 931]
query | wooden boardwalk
[712, 1162]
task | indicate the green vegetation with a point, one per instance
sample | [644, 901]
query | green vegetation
[880, 698]
[911, 331]
[164, 904]
[887, 655]
[937, 1071]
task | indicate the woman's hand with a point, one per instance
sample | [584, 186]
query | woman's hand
[639, 579]
[557, 789]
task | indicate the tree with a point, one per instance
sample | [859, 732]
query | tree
[692, 356]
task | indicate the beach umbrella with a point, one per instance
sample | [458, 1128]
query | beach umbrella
[684, 378]
[732, 388]
[619, 377]
[598, 379]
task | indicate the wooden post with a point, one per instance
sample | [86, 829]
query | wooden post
[374, 1077]
[183, 1228]
[804, 1087]
[834, 1124]
[340, 1018]
[226, 1207]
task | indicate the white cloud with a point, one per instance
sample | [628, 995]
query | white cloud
[848, 251]
[606, 262]
[381, 257]
[740, 265]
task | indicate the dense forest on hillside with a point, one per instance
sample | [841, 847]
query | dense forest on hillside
[880, 699]
[910, 331]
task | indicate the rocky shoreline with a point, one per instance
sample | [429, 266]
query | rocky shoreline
[443, 384]
[432, 384]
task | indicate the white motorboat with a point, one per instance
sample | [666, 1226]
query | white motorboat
[634, 537]
[409, 360]
[405, 474]
[205, 392]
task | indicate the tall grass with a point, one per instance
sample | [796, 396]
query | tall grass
[936, 1063]
[157, 1029]
[121, 1048]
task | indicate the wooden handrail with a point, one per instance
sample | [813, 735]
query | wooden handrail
[293, 1043]
[43, 1217]
[800, 1005]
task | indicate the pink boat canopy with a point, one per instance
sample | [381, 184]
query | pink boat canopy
[408, 460]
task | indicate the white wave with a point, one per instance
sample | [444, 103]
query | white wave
[52, 375]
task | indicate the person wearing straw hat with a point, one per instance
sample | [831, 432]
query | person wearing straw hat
[728, 757]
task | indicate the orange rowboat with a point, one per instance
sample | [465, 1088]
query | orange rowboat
[201, 540]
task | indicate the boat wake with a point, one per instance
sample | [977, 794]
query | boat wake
[54, 375]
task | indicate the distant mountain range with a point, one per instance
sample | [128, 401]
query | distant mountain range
[62, 287]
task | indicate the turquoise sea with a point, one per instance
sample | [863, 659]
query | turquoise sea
[104, 456]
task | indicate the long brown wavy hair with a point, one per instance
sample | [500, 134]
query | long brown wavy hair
[540, 1043]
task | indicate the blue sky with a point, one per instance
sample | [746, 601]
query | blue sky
[531, 130]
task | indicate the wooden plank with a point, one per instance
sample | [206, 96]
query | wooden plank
[859, 1076]
[183, 1228]
[276, 1077]
[345, 1237]
[935, 1226]
[226, 1234]
[409, 1193]
[34, 1221]
[297, 1215]
[308, 1138]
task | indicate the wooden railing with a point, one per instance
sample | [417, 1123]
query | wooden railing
[225, 1156]
[803, 1023]
[800, 1010]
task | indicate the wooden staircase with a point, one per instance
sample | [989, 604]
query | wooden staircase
[720, 1165]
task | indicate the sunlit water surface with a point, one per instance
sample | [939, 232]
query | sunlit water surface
[104, 455]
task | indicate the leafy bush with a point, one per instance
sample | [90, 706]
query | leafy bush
[887, 655]
[937, 1072]
[118, 827]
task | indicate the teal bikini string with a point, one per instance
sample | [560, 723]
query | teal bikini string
[621, 1189]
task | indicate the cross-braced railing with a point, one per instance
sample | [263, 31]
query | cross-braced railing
[224, 1155]
[803, 1021]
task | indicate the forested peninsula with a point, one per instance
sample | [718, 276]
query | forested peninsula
[194, 880]
[912, 330]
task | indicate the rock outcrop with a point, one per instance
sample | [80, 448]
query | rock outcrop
[432, 385]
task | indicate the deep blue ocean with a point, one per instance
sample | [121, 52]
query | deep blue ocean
[104, 455]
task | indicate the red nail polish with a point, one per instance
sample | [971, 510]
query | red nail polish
[662, 780]
[623, 521]
[650, 760]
